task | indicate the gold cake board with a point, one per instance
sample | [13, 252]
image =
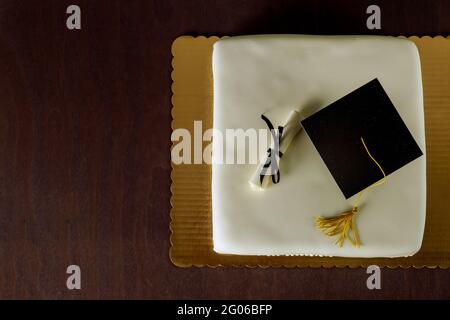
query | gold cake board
[191, 225]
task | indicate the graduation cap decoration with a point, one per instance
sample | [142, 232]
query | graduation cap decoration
[362, 139]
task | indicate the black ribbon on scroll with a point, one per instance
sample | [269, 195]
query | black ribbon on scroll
[272, 153]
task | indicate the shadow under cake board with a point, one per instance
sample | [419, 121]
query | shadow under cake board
[191, 219]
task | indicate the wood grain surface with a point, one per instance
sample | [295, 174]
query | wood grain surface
[85, 138]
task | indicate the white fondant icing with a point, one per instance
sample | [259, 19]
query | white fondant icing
[274, 74]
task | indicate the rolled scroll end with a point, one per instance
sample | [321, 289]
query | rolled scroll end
[255, 180]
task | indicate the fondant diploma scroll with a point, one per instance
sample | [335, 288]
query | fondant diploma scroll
[282, 137]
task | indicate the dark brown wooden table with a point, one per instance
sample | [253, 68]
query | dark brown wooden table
[85, 138]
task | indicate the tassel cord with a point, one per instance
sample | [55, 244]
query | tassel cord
[343, 225]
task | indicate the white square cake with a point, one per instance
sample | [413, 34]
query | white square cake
[274, 74]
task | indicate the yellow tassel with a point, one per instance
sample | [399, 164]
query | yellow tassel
[341, 225]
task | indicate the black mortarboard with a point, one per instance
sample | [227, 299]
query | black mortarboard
[367, 113]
